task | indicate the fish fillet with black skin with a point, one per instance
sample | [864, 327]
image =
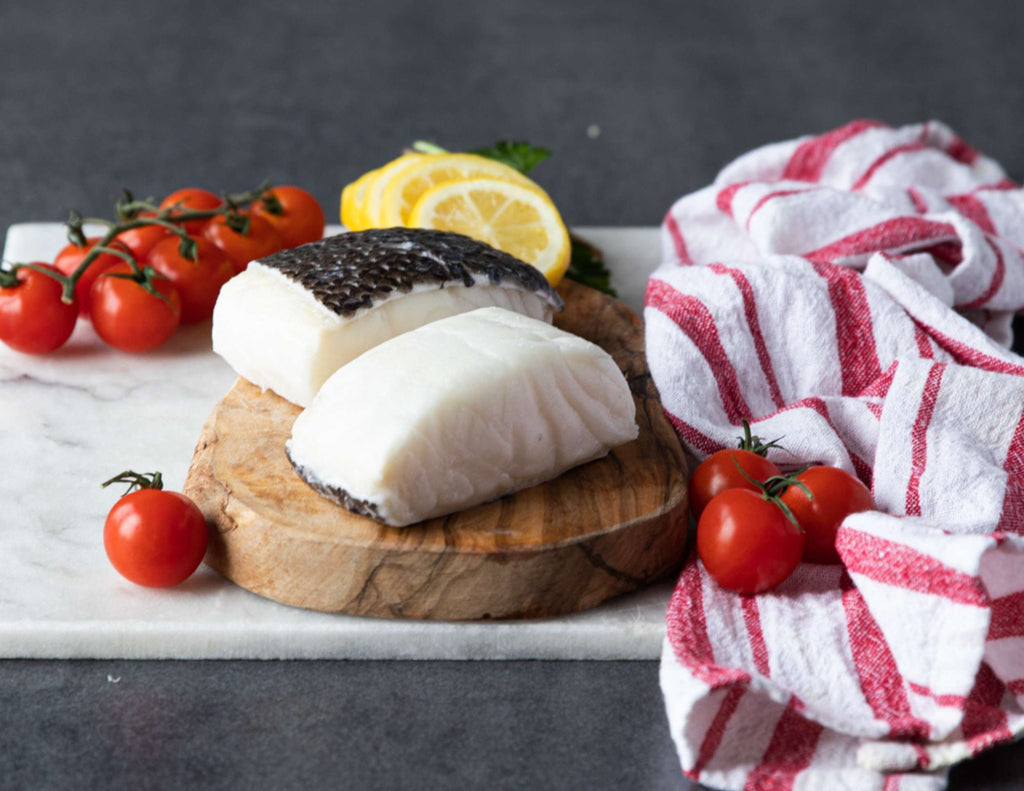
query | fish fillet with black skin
[292, 319]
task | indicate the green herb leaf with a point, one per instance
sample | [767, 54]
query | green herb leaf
[517, 154]
[586, 266]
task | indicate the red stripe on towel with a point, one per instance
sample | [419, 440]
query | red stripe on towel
[811, 156]
[1011, 519]
[895, 235]
[676, 233]
[971, 207]
[890, 154]
[880, 679]
[724, 198]
[789, 752]
[919, 439]
[769, 197]
[696, 322]
[900, 566]
[997, 278]
[716, 730]
[687, 630]
[984, 723]
[754, 325]
[752, 620]
[1007, 617]
[855, 339]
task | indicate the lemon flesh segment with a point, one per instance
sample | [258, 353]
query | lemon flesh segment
[371, 204]
[352, 199]
[406, 187]
[520, 220]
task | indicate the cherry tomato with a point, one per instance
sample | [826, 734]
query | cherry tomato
[155, 538]
[259, 241]
[746, 543]
[192, 199]
[70, 257]
[128, 317]
[837, 494]
[33, 320]
[141, 240]
[718, 472]
[198, 282]
[301, 218]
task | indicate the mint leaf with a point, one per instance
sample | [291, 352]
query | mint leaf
[586, 266]
[517, 154]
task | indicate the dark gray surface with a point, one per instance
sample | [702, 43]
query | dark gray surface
[224, 95]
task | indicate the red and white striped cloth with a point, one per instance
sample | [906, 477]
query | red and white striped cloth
[852, 293]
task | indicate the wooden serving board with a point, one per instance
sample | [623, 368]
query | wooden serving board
[600, 530]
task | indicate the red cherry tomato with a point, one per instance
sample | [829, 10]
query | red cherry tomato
[155, 538]
[33, 320]
[718, 472]
[70, 257]
[837, 494]
[141, 240]
[128, 317]
[192, 199]
[259, 241]
[198, 282]
[746, 543]
[300, 219]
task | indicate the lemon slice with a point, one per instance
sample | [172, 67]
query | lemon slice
[520, 220]
[371, 204]
[408, 184]
[352, 199]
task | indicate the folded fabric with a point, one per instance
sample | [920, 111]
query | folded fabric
[853, 293]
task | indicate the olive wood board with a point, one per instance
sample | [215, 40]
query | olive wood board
[97, 412]
[600, 530]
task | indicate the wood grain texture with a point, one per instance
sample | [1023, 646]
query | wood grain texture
[597, 531]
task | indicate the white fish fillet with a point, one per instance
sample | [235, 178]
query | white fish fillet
[458, 412]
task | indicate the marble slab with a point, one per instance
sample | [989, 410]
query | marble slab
[74, 418]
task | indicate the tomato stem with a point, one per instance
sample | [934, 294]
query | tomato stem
[770, 492]
[755, 444]
[136, 480]
[129, 213]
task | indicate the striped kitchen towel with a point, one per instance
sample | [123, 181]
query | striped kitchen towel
[852, 292]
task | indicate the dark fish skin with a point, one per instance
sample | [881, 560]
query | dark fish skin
[353, 271]
[334, 493]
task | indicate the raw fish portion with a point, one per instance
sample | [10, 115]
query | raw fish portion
[292, 319]
[458, 412]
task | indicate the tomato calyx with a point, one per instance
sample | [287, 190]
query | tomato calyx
[144, 276]
[772, 489]
[136, 480]
[755, 444]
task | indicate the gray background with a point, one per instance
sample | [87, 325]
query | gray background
[223, 95]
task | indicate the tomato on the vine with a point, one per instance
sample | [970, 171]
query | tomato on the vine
[154, 537]
[198, 282]
[127, 316]
[719, 472]
[192, 199]
[33, 319]
[295, 214]
[835, 494]
[141, 240]
[746, 542]
[259, 240]
[68, 260]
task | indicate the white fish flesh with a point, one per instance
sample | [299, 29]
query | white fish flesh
[459, 412]
[292, 319]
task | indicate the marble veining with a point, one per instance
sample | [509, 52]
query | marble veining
[72, 419]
